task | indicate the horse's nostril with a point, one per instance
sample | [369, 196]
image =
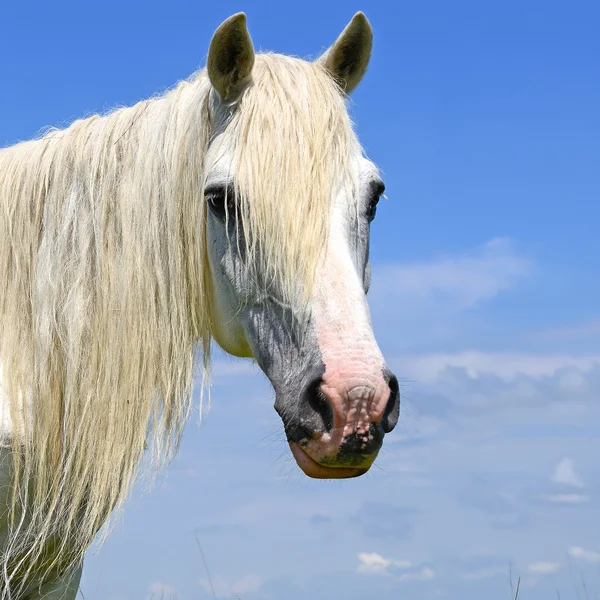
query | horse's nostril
[392, 409]
[317, 408]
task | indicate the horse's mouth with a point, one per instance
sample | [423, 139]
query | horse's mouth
[316, 470]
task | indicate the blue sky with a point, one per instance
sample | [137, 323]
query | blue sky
[484, 119]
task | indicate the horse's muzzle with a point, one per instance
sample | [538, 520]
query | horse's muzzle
[337, 433]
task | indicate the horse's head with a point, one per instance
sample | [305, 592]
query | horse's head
[289, 199]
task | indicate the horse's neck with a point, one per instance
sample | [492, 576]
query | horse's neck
[63, 589]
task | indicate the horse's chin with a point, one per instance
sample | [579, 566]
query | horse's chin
[315, 470]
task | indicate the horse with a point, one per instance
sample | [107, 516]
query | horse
[235, 207]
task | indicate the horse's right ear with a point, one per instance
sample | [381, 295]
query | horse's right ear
[348, 58]
[230, 58]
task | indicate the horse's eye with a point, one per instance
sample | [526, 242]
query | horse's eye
[376, 193]
[372, 209]
[220, 200]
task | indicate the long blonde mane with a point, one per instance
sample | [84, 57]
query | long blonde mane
[105, 285]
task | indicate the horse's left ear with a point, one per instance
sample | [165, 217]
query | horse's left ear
[230, 58]
[348, 58]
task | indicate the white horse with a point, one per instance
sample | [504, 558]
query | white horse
[236, 207]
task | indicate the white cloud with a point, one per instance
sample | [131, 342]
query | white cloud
[401, 570]
[568, 498]
[371, 562]
[424, 574]
[460, 282]
[580, 331]
[573, 381]
[565, 474]
[543, 568]
[586, 555]
[505, 365]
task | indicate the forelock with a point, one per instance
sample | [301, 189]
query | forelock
[291, 145]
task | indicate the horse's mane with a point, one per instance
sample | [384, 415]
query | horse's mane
[105, 283]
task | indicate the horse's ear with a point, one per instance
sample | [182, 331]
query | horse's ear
[230, 57]
[348, 58]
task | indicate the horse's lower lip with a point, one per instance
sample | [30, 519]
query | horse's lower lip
[313, 469]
